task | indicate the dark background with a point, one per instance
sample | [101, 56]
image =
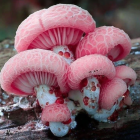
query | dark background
[124, 14]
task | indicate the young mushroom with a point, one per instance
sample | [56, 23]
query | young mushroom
[111, 91]
[84, 75]
[109, 41]
[115, 93]
[110, 95]
[55, 114]
[59, 28]
[128, 75]
[36, 71]
[59, 118]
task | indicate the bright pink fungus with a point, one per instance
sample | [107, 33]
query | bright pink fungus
[109, 41]
[110, 92]
[32, 68]
[55, 113]
[127, 74]
[87, 66]
[61, 24]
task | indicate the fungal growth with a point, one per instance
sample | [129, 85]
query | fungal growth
[129, 76]
[58, 28]
[66, 71]
[109, 41]
[36, 71]
[87, 79]
[59, 117]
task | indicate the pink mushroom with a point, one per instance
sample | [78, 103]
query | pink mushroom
[110, 96]
[59, 117]
[128, 75]
[111, 91]
[87, 66]
[83, 75]
[109, 41]
[59, 28]
[36, 71]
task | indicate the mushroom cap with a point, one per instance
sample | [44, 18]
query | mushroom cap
[36, 60]
[55, 113]
[111, 91]
[87, 66]
[61, 15]
[127, 74]
[103, 40]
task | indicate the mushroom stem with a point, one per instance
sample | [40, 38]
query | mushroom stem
[65, 52]
[45, 95]
[90, 94]
[102, 115]
[59, 129]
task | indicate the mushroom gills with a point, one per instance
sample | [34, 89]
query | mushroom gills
[28, 81]
[115, 52]
[57, 36]
[63, 37]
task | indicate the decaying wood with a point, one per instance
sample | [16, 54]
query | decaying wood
[19, 124]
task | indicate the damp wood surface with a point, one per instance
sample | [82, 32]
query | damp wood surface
[19, 123]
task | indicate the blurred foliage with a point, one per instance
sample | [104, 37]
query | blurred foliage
[120, 13]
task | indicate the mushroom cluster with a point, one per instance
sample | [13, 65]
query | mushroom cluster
[67, 63]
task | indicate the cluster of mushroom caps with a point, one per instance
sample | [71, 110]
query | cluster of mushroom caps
[68, 71]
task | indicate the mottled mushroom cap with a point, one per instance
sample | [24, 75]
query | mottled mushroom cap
[55, 113]
[110, 41]
[111, 91]
[127, 74]
[61, 15]
[30, 62]
[87, 66]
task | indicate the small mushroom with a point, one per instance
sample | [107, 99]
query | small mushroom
[83, 75]
[59, 28]
[109, 41]
[57, 115]
[111, 91]
[109, 98]
[128, 75]
[36, 71]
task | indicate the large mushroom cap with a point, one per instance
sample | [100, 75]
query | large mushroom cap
[31, 68]
[127, 74]
[76, 19]
[110, 41]
[111, 91]
[87, 66]
[55, 113]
